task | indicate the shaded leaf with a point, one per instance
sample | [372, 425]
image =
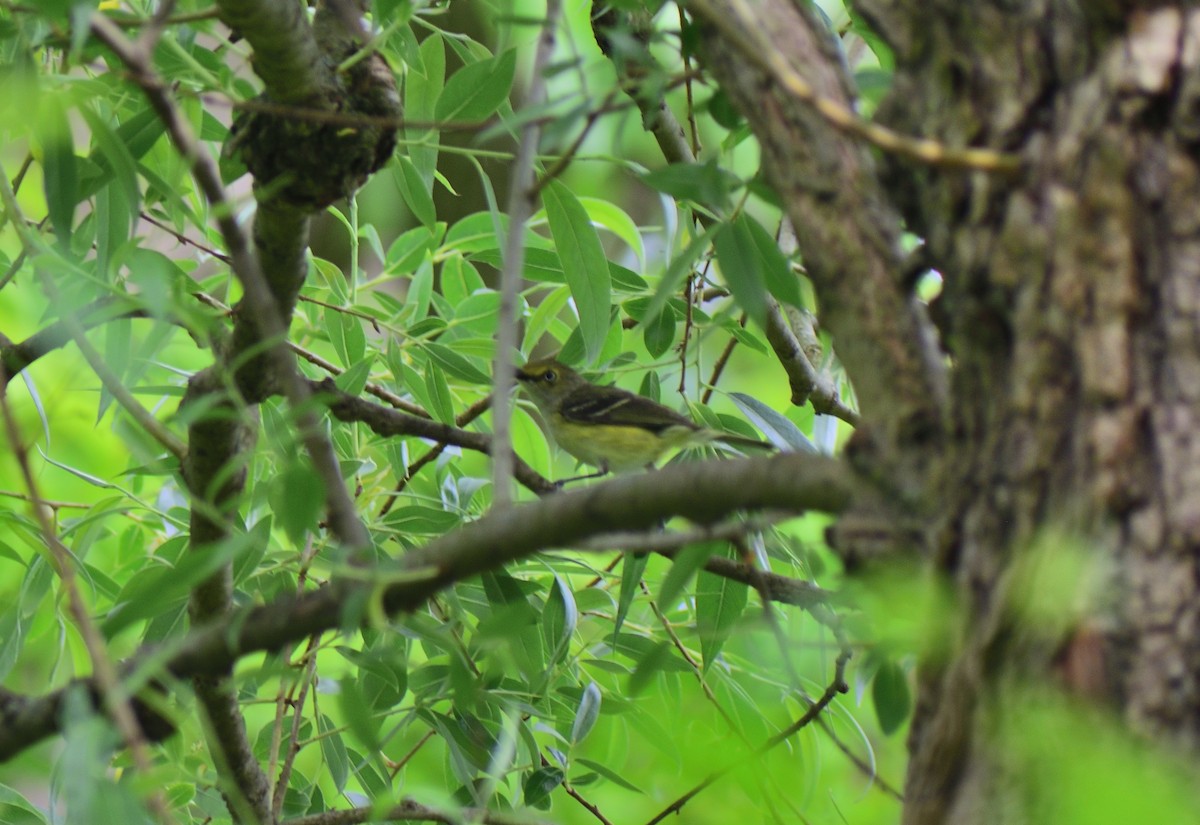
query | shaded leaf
[719, 604]
[893, 700]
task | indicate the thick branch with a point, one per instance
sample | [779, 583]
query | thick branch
[286, 54]
[703, 491]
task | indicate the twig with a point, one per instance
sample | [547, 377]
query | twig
[410, 811]
[285, 772]
[806, 383]
[719, 366]
[521, 203]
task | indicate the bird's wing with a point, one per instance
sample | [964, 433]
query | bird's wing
[611, 405]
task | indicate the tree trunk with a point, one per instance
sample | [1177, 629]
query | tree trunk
[1069, 313]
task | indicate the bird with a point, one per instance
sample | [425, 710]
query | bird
[607, 427]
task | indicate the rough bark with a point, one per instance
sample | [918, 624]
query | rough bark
[1070, 310]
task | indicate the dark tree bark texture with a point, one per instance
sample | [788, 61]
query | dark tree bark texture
[1070, 316]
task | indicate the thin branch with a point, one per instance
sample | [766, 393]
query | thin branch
[285, 772]
[346, 407]
[461, 420]
[521, 204]
[410, 811]
[806, 383]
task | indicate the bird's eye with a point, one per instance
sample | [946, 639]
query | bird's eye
[549, 376]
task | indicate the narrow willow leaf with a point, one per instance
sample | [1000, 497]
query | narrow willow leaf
[687, 562]
[586, 714]
[559, 618]
[583, 262]
[609, 774]
[415, 191]
[334, 752]
[893, 700]
[632, 568]
[458, 365]
[719, 604]
[742, 265]
[441, 402]
[778, 429]
[701, 183]
[679, 268]
[422, 88]
[60, 175]
[777, 272]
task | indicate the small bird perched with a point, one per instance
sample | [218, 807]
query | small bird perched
[607, 427]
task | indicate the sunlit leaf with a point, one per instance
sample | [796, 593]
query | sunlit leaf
[583, 263]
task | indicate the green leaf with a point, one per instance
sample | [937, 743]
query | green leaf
[457, 365]
[583, 263]
[719, 604]
[60, 175]
[742, 265]
[559, 618]
[460, 279]
[659, 332]
[477, 90]
[679, 268]
[357, 713]
[778, 429]
[154, 590]
[609, 774]
[354, 379]
[617, 221]
[777, 272]
[586, 714]
[415, 191]
[515, 620]
[893, 701]
[416, 519]
[441, 402]
[478, 312]
[334, 752]
[297, 499]
[16, 810]
[544, 315]
[632, 567]
[422, 86]
[687, 562]
[539, 784]
[700, 183]
[650, 665]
